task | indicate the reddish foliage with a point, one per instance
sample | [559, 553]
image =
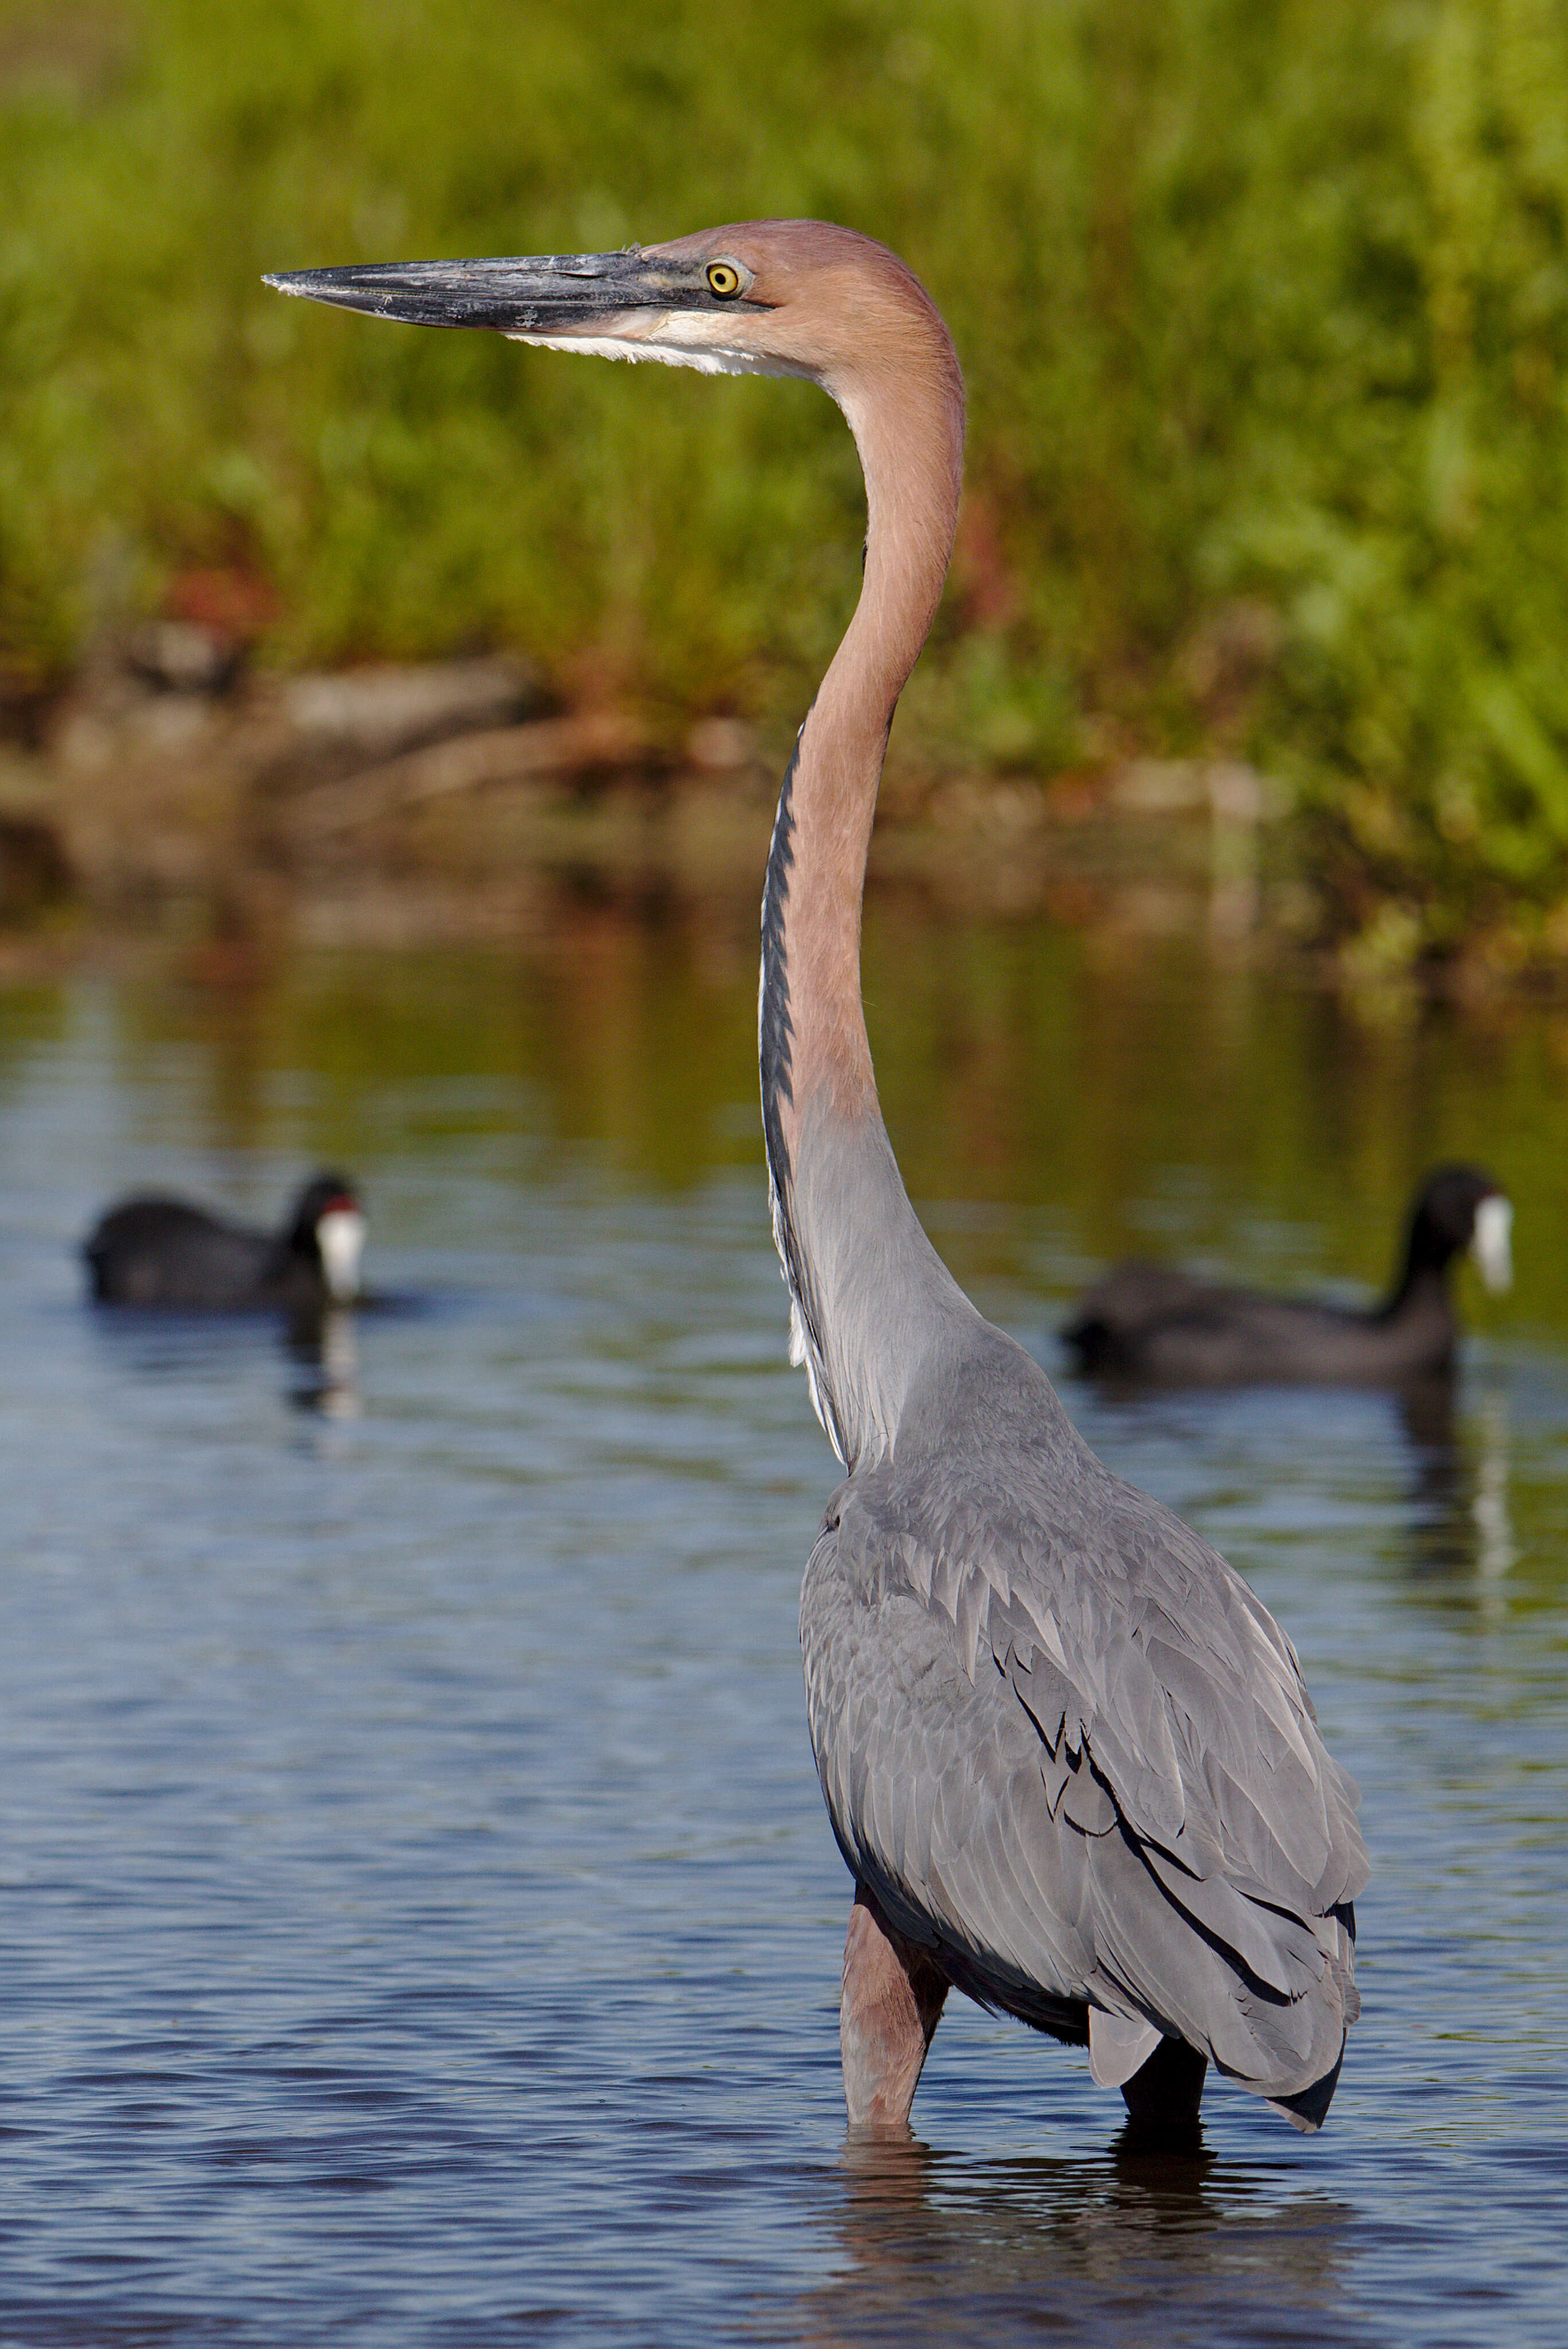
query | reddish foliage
[230, 602]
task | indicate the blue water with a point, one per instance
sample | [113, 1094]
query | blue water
[417, 1916]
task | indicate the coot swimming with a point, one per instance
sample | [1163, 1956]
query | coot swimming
[1144, 1321]
[160, 1252]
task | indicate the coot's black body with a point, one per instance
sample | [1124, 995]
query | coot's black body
[162, 1253]
[1144, 1322]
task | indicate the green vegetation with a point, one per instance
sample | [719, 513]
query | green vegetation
[1264, 310]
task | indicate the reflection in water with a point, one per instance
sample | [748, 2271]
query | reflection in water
[1461, 1524]
[320, 1351]
[420, 1919]
[939, 2250]
[1131, 1100]
[325, 1348]
[1496, 1549]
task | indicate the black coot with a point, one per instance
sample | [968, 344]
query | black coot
[160, 1252]
[1144, 1322]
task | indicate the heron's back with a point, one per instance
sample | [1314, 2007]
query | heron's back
[1070, 1750]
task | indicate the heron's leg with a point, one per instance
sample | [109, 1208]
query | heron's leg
[1163, 2094]
[892, 2003]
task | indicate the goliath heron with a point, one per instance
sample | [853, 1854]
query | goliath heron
[1069, 1757]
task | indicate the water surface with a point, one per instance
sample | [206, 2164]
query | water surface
[420, 1919]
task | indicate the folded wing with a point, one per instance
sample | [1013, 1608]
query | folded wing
[1084, 1770]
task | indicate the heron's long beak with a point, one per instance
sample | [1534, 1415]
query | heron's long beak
[1490, 1244]
[550, 294]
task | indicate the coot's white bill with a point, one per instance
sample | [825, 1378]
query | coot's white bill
[1492, 1247]
[340, 1234]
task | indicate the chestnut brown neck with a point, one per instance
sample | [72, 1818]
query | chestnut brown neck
[818, 1093]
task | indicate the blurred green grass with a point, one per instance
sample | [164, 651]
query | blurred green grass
[1263, 309]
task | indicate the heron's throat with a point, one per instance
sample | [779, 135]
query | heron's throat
[860, 1272]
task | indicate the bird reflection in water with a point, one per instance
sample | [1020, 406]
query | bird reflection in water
[942, 2250]
[1461, 1521]
[324, 1350]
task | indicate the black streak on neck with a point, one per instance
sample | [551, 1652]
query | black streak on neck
[775, 1036]
[776, 1032]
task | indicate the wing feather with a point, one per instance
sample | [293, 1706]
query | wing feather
[1085, 1771]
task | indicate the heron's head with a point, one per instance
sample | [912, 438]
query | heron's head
[766, 298]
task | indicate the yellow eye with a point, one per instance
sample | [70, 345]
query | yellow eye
[723, 279]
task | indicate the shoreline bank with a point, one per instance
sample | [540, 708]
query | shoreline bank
[442, 801]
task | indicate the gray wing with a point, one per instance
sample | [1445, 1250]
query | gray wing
[1074, 1755]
